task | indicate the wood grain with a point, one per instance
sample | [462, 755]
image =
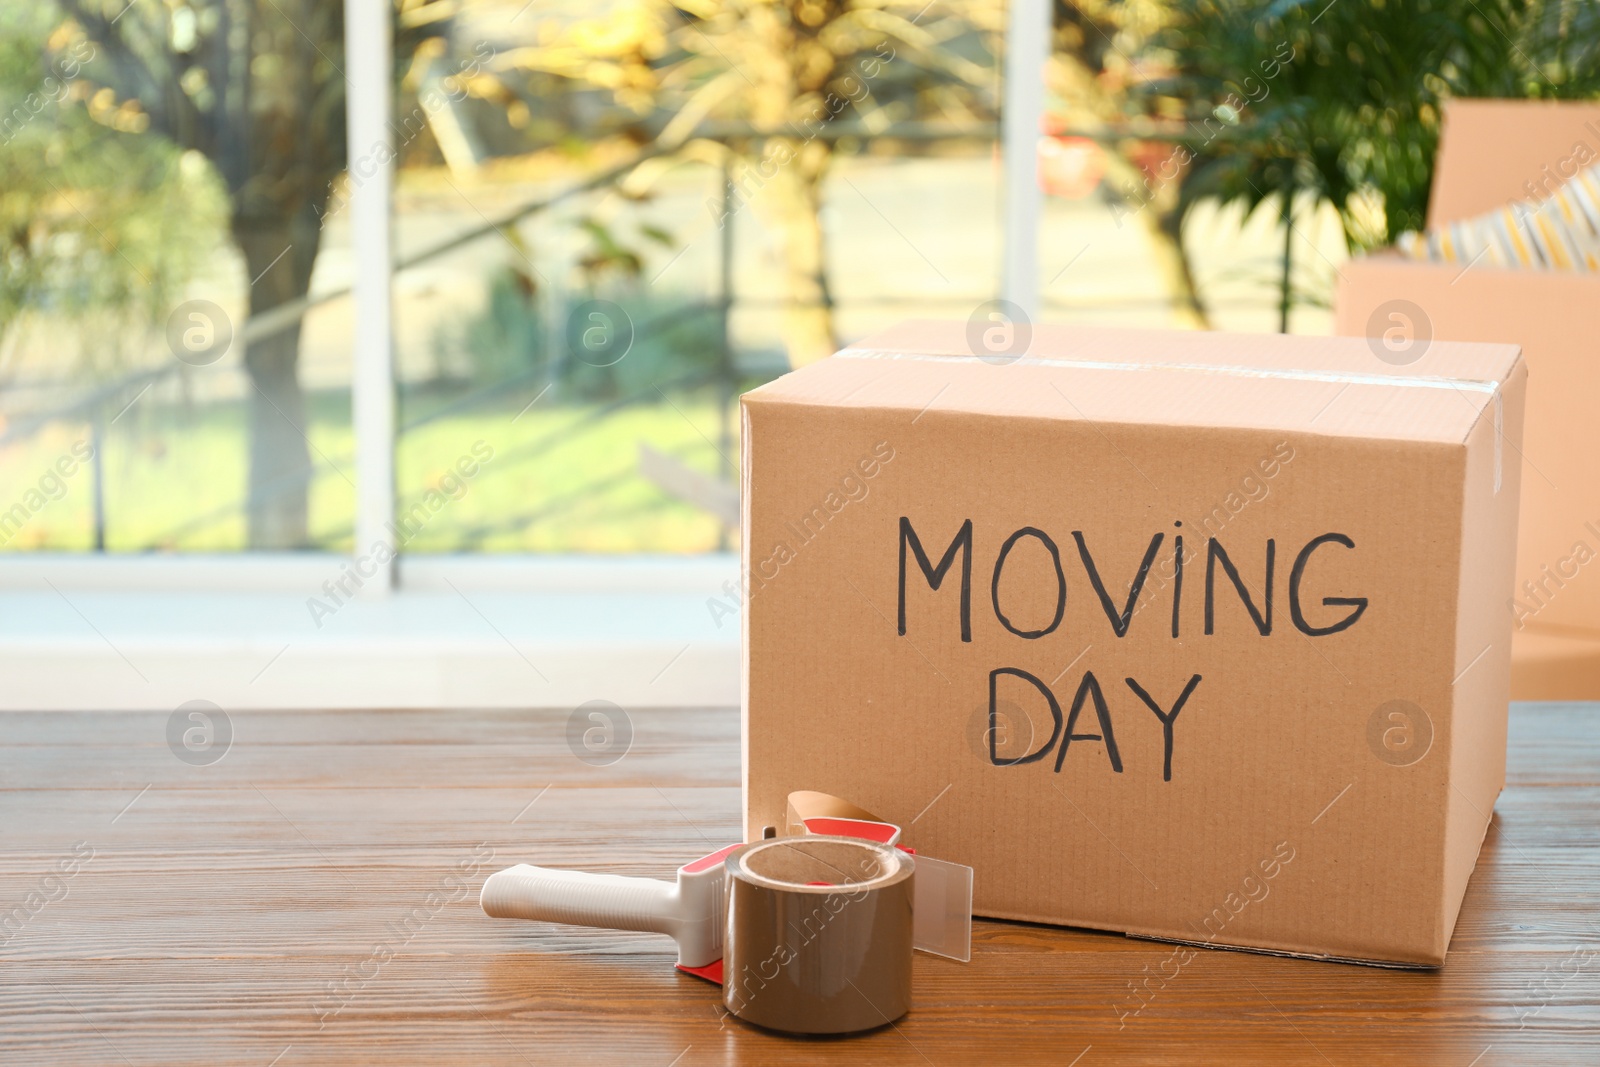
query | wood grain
[222, 904]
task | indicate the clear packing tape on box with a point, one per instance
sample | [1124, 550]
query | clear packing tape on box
[807, 931]
[1288, 374]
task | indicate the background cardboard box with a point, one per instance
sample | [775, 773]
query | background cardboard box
[1295, 807]
[1493, 152]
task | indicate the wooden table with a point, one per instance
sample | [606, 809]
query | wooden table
[292, 904]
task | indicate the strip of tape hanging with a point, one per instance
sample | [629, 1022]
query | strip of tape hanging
[1499, 435]
[943, 912]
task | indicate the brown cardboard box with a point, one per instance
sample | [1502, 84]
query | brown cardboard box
[1493, 152]
[1325, 786]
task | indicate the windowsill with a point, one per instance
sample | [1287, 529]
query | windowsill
[274, 631]
[304, 572]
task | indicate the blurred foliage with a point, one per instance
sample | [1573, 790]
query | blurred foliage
[1342, 99]
[674, 64]
[511, 338]
[98, 224]
[1101, 54]
[612, 254]
[258, 90]
[180, 121]
[503, 340]
[754, 85]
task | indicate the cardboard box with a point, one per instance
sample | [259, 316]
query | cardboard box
[1493, 152]
[939, 554]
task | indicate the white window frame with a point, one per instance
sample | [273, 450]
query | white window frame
[369, 104]
[143, 631]
[369, 32]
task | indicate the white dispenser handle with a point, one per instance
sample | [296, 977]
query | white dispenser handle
[692, 911]
[609, 901]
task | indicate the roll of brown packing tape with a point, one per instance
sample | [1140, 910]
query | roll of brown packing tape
[819, 934]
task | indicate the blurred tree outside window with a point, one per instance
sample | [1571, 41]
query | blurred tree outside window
[612, 216]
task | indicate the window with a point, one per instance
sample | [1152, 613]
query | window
[491, 276]
[167, 383]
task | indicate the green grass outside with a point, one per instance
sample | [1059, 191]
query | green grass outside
[175, 479]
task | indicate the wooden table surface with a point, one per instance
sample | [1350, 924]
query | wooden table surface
[292, 903]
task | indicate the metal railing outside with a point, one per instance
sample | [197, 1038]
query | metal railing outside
[103, 404]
